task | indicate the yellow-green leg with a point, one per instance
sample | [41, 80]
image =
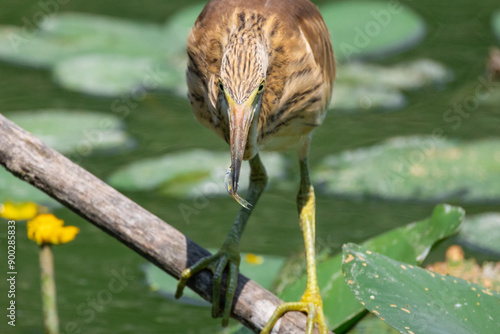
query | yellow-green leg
[310, 302]
[229, 254]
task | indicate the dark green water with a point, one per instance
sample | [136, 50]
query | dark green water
[459, 35]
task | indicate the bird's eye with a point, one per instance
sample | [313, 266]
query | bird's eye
[261, 87]
[221, 86]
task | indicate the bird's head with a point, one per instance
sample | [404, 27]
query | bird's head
[241, 86]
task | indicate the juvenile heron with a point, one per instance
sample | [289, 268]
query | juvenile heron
[260, 75]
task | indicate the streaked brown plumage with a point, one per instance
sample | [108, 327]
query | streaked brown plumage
[260, 75]
[298, 84]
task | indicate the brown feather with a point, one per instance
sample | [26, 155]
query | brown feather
[299, 75]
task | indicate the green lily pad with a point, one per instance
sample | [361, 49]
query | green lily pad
[496, 24]
[410, 243]
[189, 174]
[69, 131]
[372, 325]
[481, 91]
[429, 169]
[403, 76]
[389, 27]
[414, 300]
[15, 190]
[482, 232]
[350, 98]
[260, 268]
[27, 49]
[177, 28]
[362, 87]
[403, 29]
[361, 29]
[110, 75]
[236, 329]
[109, 56]
[491, 98]
[67, 35]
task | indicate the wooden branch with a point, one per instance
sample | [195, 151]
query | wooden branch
[32, 161]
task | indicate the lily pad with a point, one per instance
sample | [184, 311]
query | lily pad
[362, 87]
[425, 168]
[362, 29]
[492, 96]
[350, 98]
[15, 190]
[372, 325]
[399, 29]
[178, 26]
[189, 174]
[16, 46]
[69, 131]
[403, 76]
[104, 46]
[358, 29]
[414, 300]
[496, 24]
[97, 54]
[483, 91]
[67, 35]
[110, 75]
[482, 232]
[260, 268]
[409, 243]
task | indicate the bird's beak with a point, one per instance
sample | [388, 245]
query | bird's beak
[240, 119]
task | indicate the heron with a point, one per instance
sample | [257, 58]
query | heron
[260, 75]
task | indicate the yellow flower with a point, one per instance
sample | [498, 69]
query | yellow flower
[48, 229]
[18, 211]
[254, 259]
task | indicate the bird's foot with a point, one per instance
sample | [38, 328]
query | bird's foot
[227, 257]
[311, 304]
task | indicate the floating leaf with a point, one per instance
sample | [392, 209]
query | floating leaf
[409, 243]
[403, 76]
[372, 325]
[260, 268]
[361, 87]
[109, 56]
[110, 75]
[72, 130]
[97, 54]
[188, 174]
[176, 31]
[67, 35]
[414, 300]
[496, 24]
[351, 98]
[178, 26]
[482, 232]
[236, 329]
[358, 29]
[19, 47]
[492, 95]
[371, 28]
[428, 169]
[482, 91]
[399, 29]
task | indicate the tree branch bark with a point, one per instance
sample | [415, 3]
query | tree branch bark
[31, 160]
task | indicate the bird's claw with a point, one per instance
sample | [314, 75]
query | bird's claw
[217, 264]
[313, 309]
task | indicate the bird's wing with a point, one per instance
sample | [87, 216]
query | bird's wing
[317, 36]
